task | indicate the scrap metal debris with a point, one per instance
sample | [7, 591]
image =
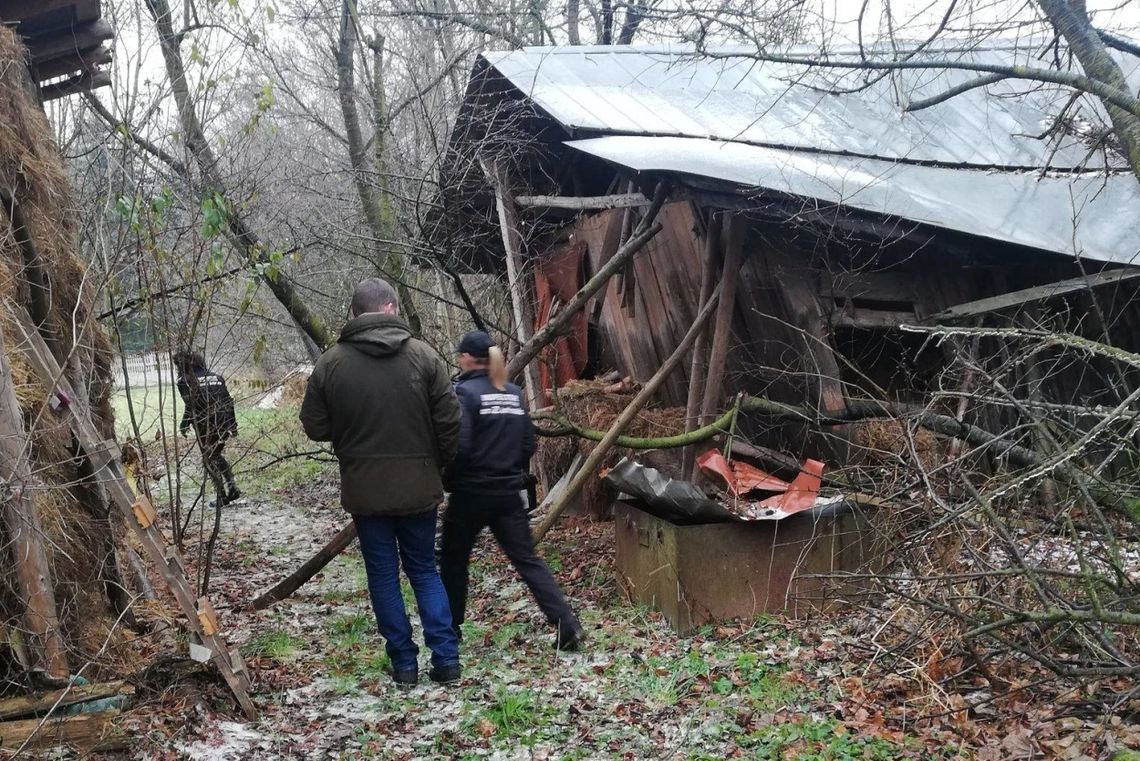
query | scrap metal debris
[682, 502]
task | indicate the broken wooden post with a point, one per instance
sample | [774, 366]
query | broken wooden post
[590, 467]
[700, 346]
[734, 228]
[308, 570]
[516, 284]
[25, 533]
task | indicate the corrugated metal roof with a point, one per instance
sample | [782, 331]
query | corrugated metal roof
[672, 92]
[1090, 215]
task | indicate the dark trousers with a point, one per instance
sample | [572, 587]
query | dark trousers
[466, 516]
[219, 470]
[387, 543]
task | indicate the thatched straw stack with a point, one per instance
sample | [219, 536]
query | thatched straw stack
[80, 542]
[593, 405]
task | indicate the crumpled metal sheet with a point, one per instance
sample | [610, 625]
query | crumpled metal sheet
[676, 501]
[681, 502]
[740, 477]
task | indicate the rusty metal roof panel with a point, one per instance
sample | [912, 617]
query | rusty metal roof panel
[1075, 215]
[670, 91]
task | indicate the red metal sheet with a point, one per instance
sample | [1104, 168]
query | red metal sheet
[740, 477]
[801, 493]
[557, 277]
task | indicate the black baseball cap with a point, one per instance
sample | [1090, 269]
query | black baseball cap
[476, 343]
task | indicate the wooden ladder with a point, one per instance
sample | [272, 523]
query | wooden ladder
[139, 514]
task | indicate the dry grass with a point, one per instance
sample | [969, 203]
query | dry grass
[33, 174]
[587, 405]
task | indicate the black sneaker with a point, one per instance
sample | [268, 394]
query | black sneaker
[406, 677]
[569, 642]
[445, 674]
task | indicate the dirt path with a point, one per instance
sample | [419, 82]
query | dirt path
[637, 691]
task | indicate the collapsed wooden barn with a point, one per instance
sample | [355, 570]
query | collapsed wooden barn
[841, 217]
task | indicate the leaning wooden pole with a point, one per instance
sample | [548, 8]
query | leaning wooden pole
[25, 532]
[308, 570]
[700, 346]
[602, 450]
[513, 243]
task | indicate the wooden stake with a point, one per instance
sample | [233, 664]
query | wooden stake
[25, 533]
[700, 347]
[513, 245]
[735, 227]
[590, 467]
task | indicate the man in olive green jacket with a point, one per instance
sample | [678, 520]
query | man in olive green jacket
[385, 401]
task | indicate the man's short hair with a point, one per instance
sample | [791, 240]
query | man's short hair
[372, 295]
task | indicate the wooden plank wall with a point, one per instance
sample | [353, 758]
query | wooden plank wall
[667, 281]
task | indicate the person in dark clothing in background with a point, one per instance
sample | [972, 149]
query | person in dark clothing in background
[209, 409]
[496, 442]
[384, 400]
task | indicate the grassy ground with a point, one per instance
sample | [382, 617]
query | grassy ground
[764, 689]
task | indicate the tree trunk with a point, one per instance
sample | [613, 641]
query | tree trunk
[240, 234]
[24, 532]
[387, 261]
[1095, 59]
[572, 8]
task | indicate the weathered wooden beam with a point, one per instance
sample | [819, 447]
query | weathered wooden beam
[85, 732]
[1037, 293]
[517, 285]
[32, 705]
[71, 42]
[584, 203]
[735, 228]
[83, 83]
[25, 533]
[601, 451]
[700, 347]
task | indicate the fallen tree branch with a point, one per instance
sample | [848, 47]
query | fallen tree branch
[1112, 495]
[308, 570]
[671, 441]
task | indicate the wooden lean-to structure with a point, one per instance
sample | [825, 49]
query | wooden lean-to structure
[829, 218]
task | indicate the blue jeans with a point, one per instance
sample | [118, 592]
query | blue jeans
[413, 536]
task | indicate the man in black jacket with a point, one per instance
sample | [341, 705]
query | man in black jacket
[384, 400]
[496, 441]
[209, 408]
